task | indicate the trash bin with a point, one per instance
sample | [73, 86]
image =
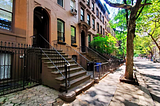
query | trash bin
[98, 67]
[90, 66]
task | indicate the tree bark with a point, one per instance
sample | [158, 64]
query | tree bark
[130, 47]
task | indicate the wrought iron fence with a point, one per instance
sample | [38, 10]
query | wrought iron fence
[20, 67]
[101, 69]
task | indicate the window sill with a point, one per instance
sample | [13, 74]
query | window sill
[93, 29]
[62, 43]
[74, 45]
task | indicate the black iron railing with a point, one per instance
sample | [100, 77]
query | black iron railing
[96, 57]
[57, 60]
[20, 67]
[80, 59]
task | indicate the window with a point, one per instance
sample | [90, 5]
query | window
[88, 19]
[92, 6]
[93, 23]
[74, 57]
[88, 2]
[60, 2]
[105, 25]
[5, 66]
[97, 11]
[100, 16]
[73, 34]
[101, 29]
[60, 31]
[103, 19]
[82, 14]
[97, 27]
[72, 4]
[6, 12]
[89, 40]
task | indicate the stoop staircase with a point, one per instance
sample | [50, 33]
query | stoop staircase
[94, 56]
[53, 78]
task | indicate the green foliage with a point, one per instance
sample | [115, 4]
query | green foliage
[119, 23]
[143, 45]
[105, 44]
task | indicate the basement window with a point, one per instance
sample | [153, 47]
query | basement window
[5, 66]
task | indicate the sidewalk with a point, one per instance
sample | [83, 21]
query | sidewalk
[108, 92]
[111, 92]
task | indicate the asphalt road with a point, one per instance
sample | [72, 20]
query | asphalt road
[151, 75]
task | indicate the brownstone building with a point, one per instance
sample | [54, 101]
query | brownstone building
[67, 25]
[74, 22]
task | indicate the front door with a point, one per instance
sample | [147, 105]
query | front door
[83, 41]
[41, 28]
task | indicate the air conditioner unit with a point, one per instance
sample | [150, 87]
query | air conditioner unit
[74, 11]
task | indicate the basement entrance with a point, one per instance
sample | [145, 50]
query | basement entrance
[41, 28]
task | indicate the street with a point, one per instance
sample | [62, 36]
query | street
[151, 75]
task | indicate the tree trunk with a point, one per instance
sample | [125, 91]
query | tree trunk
[130, 47]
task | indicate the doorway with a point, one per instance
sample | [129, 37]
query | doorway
[41, 28]
[83, 44]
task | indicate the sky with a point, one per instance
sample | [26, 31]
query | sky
[113, 11]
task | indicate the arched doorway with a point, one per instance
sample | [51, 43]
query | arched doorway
[41, 27]
[83, 41]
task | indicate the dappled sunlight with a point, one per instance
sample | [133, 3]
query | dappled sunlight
[133, 96]
[151, 75]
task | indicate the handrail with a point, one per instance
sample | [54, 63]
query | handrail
[55, 50]
[80, 55]
[77, 52]
[97, 53]
[52, 62]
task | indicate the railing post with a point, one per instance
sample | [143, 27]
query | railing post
[93, 71]
[66, 78]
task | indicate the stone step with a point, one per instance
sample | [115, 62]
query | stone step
[71, 95]
[54, 55]
[51, 50]
[59, 62]
[76, 82]
[76, 74]
[62, 66]
[71, 70]
[56, 58]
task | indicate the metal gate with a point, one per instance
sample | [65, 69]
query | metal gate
[20, 67]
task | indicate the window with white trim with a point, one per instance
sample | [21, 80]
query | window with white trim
[72, 4]
[6, 14]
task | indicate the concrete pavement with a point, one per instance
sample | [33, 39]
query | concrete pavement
[111, 92]
[151, 74]
[108, 92]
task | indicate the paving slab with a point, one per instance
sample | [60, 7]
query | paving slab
[100, 94]
[36, 96]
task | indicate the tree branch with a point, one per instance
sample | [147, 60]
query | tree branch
[146, 4]
[142, 5]
[126, 13]
[117, 5]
